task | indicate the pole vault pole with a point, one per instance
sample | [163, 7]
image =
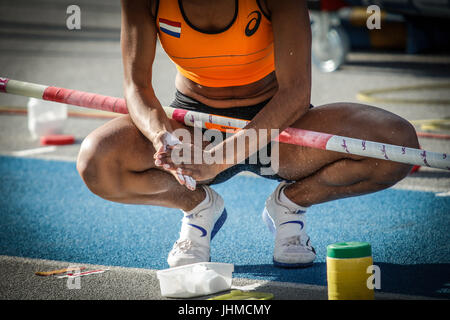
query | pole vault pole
[294, 136]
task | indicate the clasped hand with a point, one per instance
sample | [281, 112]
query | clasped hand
[185, 161]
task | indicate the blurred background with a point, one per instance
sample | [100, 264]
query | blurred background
[344, 26]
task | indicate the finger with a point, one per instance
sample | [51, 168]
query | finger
[160, 154]
[190, 183]
[160, 150]
[173, 160]
[165, 165]
[164, 158]
[181, 179]
[158, 163]
[173, 153]
[163, 148]
[184, 171]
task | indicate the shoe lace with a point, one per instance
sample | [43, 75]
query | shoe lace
[183, 245]
[194, 215]
[292, 241]
[293, 211]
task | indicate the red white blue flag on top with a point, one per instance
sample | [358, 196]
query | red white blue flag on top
[172, 28]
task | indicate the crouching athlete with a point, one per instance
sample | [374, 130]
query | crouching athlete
[247, 59]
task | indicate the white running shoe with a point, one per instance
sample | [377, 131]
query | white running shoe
[197, 230]
[292, 245]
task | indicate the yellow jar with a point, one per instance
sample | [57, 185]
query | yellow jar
[347, 276]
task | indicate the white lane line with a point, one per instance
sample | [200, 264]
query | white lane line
[425, 187]
[34, 151]
[249, 287]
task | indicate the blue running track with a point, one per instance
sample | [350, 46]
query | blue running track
[48, 213]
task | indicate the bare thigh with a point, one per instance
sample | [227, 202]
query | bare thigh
[351, 120]
[116, 162]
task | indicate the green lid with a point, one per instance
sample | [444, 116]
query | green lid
[349, 250]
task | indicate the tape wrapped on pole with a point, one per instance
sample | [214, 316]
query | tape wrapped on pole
[295, 136]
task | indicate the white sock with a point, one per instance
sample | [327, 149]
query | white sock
[290, 229]
[190, 232]
[198, 207]
[289, 203]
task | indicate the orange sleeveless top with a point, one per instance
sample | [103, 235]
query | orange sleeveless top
[240, 54]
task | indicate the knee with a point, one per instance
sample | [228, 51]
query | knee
[91, 165]
[88, 161]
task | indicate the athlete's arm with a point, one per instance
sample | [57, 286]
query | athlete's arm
[292, 50]
[292, 45]
[138, 42]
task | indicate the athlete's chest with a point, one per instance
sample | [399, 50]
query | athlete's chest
[211, 16]
[233, 19]
[240, 45]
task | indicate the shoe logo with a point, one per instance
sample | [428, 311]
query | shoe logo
[204, 232]
[294, 221]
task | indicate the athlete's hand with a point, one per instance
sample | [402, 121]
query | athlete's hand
[189, 160]
[162, 143]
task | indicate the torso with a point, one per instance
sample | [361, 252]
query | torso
[216, 15]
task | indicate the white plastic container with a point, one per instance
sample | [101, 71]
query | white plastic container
[45, 117]
[197, 279]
